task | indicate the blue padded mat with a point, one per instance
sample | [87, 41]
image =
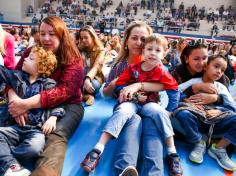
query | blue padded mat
[87, 135]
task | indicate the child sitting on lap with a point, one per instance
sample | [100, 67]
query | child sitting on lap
[28, 140]
[220, 119]
[149, 70]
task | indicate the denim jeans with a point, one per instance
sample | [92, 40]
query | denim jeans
[173, 96]
[126, 110]
[156, 128]
[129, 140]
[56, 142]
[194, 127]
[18, 141]
[152, 149]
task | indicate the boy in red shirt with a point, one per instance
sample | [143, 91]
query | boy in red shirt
[149, 70]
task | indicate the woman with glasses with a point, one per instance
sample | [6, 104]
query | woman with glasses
[194, 59]
[93, 53]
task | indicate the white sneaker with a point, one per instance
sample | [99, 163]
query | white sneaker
[17, 170]
[222, 158]
[129, 171]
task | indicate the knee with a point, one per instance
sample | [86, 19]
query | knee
[135, 121]
[182, 114]
[153, 109]
[126, 108]
[35, 147]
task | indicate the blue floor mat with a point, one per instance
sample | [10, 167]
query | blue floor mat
[87, 135]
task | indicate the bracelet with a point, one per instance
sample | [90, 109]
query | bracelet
[87, 77]
[142, 86]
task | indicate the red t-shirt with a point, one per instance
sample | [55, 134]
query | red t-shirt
[134, 73]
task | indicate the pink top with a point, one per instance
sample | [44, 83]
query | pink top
[9, 57]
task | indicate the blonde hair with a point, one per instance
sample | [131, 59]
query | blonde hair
[2, 39]
[123, 54]
[180, 41]
[46, 60]
[161, 40]
[97, 43]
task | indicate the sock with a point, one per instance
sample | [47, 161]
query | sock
[100, 147]
[171, 150]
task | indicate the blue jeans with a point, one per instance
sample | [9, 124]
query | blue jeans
[173, 96]
[126, 110]
[152, 149]
[16, 142]
[194, 127]
[129, 140]
[156, 128]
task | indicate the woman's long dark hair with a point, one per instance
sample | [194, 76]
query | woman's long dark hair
[192, 45]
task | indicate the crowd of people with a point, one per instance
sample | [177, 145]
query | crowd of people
[174, 17]
[61, 69]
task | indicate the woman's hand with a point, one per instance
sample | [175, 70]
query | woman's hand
[205, 87]
[22, 120]
[50, 125]
[127, 92]
[88, 86]
[109, 89]
[203, 98]
[17, 107]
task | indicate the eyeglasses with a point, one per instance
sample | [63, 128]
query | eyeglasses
[198, 42]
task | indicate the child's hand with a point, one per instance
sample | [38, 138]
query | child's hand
[142, 98]
[203, 98]
[127, 92]
[212, 113]
[50, 125]
[200, 107]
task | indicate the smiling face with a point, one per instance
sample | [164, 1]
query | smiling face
[215, 69]
[196, 60]
[48, 38]
[153, 53]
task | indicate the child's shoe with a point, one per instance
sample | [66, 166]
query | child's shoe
[91, 160]
[129, 171]
[89, 99]
[174, 167]
[198, 152]
[16, 170]
[221, 156]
